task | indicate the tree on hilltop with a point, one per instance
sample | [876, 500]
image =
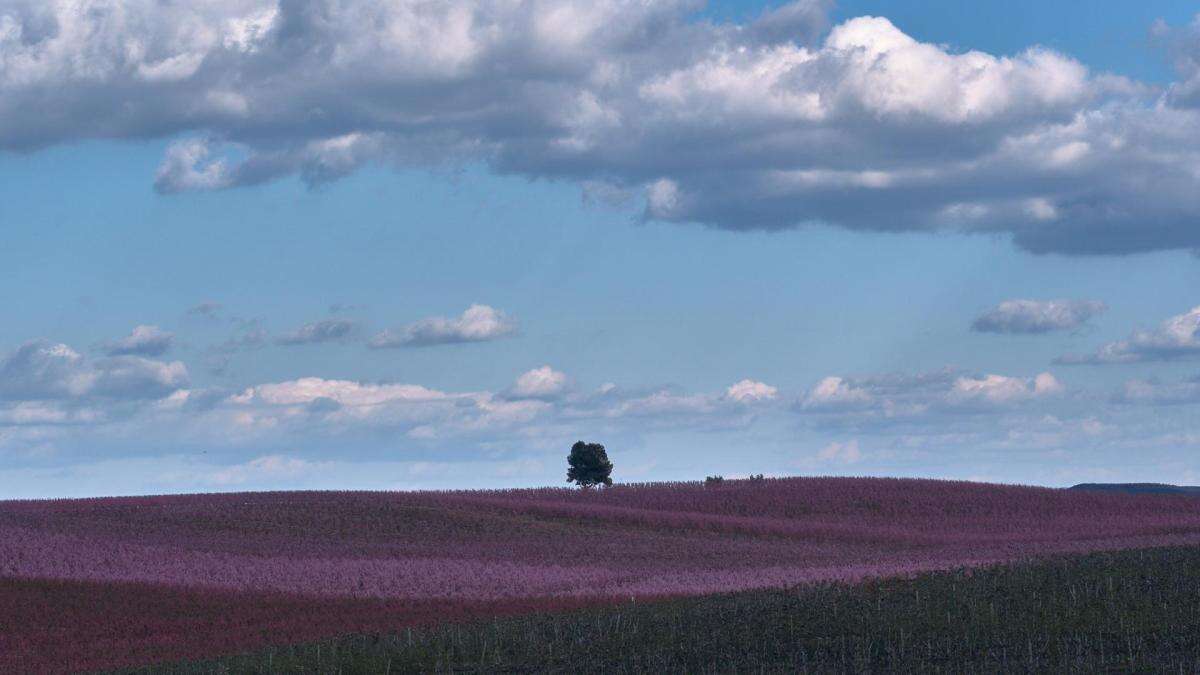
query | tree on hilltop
[589, 465]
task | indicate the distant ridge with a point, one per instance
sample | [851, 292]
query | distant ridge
[1140, 488]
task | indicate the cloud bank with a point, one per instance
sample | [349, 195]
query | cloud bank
[61, 408]
[774, 123]
[926, 398]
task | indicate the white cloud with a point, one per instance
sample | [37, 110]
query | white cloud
[760, 125]
[748, 391]
[188, 165]
[544, 382]
[344, 392]
[42, 370]
[278, 428]
[479, 323]
[496, 412]
[1001, 390]
[540, 401]
[143, 341]
[836, 392]
[1037, 316]
[940, 399]
[1176, 338]
[134, 377]
[133, 398]
[1045, 384]
[317, 405]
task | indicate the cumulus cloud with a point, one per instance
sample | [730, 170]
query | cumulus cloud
[904, 397]
[1037, 316]
[479, 323]
[774, 123]
[143, 341]
[751, 391]
[1002, 390]
[314, 403]
[834, 393]
[41, 370]
[540, 401]
[945, 411]
[326, 330]
[311, 406]
[187, 166]
[137, 378]
[47, 371]
[54, 397]
[544, 382]
[51, 392]
[1176, 338]
[342, 392]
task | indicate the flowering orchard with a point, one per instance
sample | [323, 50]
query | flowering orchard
[123, 581]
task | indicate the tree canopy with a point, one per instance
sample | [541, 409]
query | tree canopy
[589, 465]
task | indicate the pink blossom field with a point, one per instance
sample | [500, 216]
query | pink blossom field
[112, 582]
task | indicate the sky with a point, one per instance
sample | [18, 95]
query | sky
[309, 244]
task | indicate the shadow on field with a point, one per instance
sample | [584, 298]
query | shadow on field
[1136, 610]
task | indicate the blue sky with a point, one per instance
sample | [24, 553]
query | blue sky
[750, 238]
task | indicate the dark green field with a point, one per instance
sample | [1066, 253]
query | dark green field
[1125, 611]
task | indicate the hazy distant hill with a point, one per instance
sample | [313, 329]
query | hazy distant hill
[1140, 488]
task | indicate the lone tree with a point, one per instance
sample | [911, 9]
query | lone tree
[589, 465]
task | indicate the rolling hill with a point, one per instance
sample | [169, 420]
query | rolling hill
[112, 582]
